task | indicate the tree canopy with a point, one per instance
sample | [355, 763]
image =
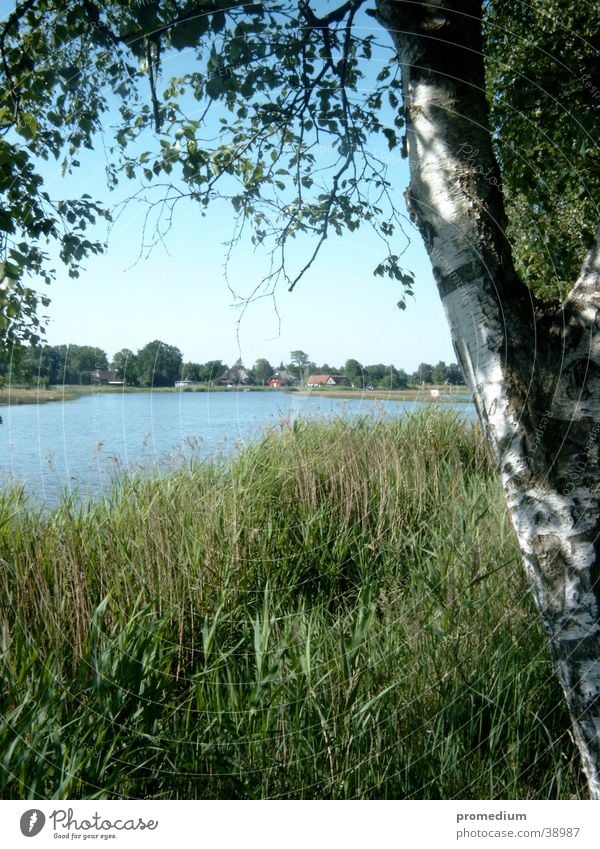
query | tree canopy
[277, 110]
[159, 364]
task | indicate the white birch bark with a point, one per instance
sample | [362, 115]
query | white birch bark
[535, 376]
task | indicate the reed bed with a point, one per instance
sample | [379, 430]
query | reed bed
[339, 612]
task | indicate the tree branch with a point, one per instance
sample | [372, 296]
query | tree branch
[335, 16]
[131, 36]
[152, 47]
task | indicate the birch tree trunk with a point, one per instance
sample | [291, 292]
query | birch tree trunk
[534, 369]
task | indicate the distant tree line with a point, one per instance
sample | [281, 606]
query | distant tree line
[52, 364]
[160, 364]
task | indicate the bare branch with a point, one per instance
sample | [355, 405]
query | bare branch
[327, 213]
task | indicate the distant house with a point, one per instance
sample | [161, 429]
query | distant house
[281, 379]
[101, 377]
[324, 380]
[235, 376]
[181, 384]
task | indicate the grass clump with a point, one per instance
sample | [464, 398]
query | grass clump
[338, 612]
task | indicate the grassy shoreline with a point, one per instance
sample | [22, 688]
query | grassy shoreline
[39, 395]
[421, 395]
[17, 397]
[338, 612]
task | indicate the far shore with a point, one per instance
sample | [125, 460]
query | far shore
[39, 395]
[423, 395]
[36, 395]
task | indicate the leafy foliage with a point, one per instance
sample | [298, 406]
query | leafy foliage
[159, 364]
[280, 109]
[53, 364]
[124, 365]
[262, 370]
[543, 66]
[50, 107]
[271, 116]
[273, 119]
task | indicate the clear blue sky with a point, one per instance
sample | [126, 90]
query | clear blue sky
[179, 294]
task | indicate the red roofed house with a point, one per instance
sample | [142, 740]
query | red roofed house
[281, 379]
[324, 380]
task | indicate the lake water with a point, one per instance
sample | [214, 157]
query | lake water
[80, 446]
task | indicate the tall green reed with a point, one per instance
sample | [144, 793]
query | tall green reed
[338, 612]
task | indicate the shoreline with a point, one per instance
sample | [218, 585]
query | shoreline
[18, 397]
[36, 395]
[423, 396]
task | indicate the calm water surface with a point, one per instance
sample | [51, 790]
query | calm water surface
[80, 446]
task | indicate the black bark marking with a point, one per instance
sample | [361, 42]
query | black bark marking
[584, 379]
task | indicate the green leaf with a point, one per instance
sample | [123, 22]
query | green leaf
[27, 126]
[391, 137]
[215, 87]
[218, 22]
[9, 269]
[6, 222]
